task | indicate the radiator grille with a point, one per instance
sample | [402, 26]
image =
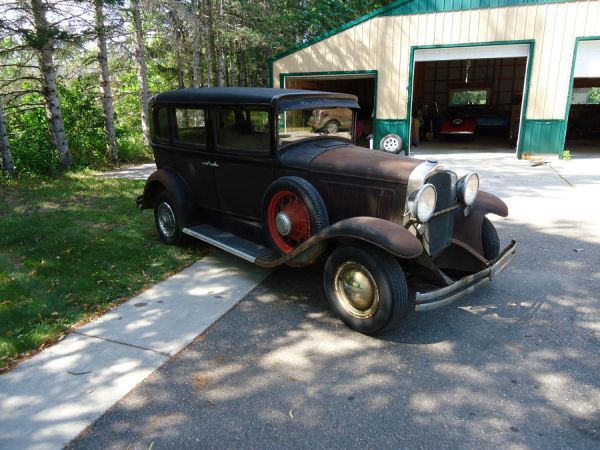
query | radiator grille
[440, 229]
[345, 201]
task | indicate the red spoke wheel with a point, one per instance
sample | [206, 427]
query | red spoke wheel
[293, 213]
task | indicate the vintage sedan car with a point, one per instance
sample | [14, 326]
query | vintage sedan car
[331, 121]
[240, 169]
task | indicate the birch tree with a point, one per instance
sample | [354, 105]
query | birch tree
[8, 166]
[42, 41]
[107, 99]
[142, 68]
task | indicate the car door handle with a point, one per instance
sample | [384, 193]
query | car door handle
[210, 164]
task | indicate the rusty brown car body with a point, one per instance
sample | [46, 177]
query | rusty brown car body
[229, 174]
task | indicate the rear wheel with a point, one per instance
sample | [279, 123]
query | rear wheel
[168, 219]
[490, 240]
[293, 212]
[366, 288]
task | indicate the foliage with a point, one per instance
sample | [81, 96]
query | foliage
[246, 33]
[70, 248]
[594, 96]
[468, 97]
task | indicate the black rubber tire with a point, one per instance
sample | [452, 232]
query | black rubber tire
[490, 240]
[317, 211]
[334, 124]
[177, 237]
[394, 301]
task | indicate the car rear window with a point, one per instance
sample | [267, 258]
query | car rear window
[244, 130]
[161, 120]
[190, 126]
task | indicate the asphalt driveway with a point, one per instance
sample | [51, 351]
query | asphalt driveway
[513, 365]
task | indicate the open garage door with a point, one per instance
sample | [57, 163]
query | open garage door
[468, 98]
[583, 133]
[361, 85]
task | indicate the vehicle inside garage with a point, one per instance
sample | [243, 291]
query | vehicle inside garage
[467, 104]
[363, 86]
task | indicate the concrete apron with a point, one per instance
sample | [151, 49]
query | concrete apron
[49, 399]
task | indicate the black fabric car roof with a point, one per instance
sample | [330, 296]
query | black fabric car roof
[243, 95]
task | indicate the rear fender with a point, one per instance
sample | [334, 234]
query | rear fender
[169, 180]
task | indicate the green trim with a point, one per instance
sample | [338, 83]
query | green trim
[578, 39]
[339, 29]
[382, 127]
[529, 42]
[409, 7]
[270, 63]
[542, 137]
[433, 6]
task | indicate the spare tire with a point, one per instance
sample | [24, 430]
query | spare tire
[293, 212]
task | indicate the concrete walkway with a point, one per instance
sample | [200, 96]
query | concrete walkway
[47, 400]
[139, 172]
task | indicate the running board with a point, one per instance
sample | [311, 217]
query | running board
[250, 251]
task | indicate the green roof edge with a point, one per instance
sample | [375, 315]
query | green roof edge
[430, 6]
[322, 37]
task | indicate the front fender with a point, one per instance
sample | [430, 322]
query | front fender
[487, 203]
[467, 229]
[384, 234]
[387, 235]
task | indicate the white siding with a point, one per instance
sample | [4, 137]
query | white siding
[384, 44]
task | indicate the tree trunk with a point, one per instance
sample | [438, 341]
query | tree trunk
[221, 63]
[107, 100]
[46, 62]
[196, 59]
[8, 166]
[211, 54]
[140, 56]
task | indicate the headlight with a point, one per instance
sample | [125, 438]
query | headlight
[467, 188]
[421, 203]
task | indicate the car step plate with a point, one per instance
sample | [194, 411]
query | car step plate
[248, 250]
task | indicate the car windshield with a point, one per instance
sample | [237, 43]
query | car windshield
[301, 124]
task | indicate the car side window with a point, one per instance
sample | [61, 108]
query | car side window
[244, 130]
[161, 123]
[190, 126]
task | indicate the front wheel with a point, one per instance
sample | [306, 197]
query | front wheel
[489, 240]
[366, 288]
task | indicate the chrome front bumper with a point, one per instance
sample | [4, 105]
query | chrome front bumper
[444, 296]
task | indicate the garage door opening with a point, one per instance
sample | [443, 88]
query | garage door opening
[583, 133]
[465, 100]
[363, 86]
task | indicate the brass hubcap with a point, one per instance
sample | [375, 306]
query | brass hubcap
[356, 290]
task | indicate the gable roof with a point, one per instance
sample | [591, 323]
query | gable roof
[409, 7]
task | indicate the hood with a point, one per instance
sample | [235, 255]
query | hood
[333, 157]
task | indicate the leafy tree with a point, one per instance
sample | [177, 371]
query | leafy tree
[594, 97]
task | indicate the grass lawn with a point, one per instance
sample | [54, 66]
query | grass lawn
[70, 248]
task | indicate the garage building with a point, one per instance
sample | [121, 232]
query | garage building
[526, 73]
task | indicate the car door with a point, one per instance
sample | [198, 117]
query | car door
[244, 159]
[193, 140]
